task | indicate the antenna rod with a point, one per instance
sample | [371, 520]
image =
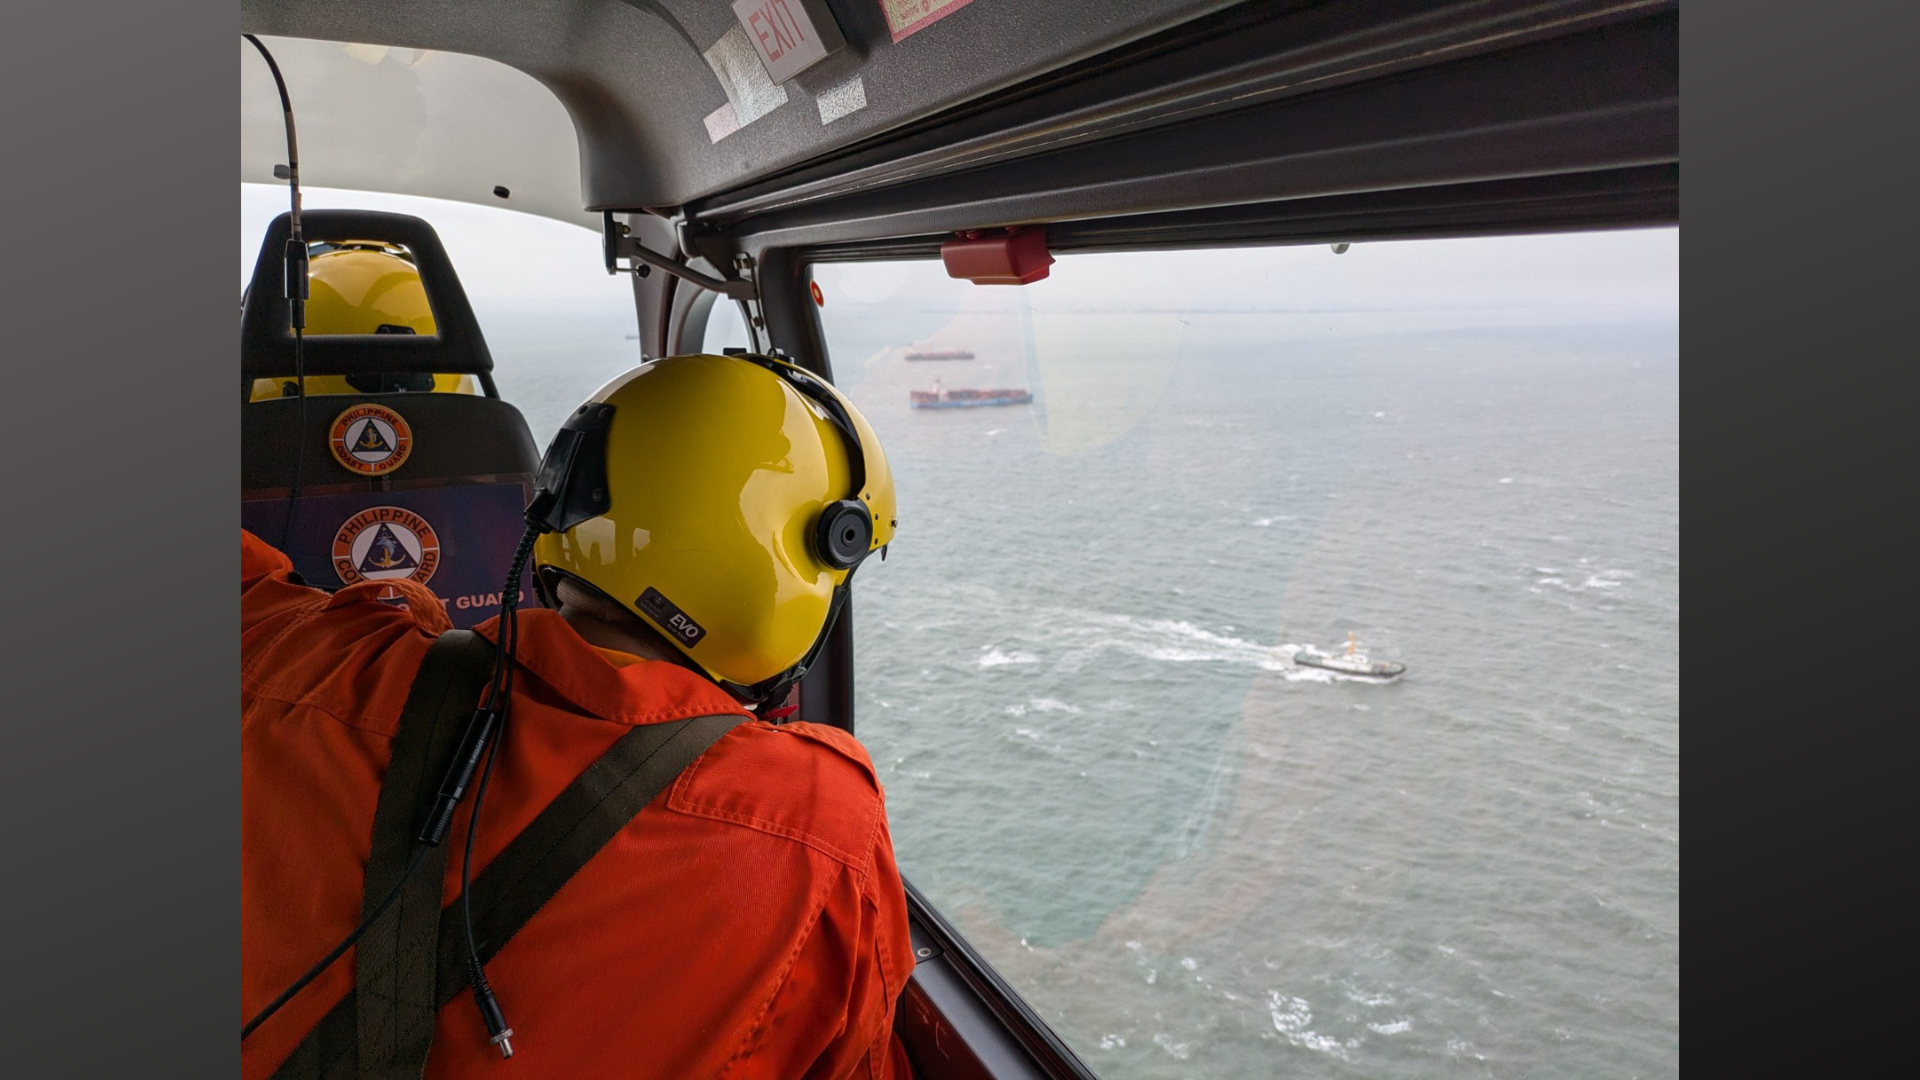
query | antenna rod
[293, 151]
[294, 277]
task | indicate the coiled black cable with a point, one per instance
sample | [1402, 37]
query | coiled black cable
[499, 700]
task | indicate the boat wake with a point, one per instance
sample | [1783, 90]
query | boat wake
[1076, 637]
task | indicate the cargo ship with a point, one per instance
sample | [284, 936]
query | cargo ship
[1353, 663]
[942, 398]
[939, 354]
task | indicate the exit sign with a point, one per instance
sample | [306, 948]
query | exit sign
[790, 35]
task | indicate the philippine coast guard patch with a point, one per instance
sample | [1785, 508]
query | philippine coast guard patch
[371, 440]
[382, 543]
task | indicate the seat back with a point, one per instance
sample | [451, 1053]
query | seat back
[420, 485]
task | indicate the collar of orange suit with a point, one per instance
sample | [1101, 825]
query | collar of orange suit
[640, 692]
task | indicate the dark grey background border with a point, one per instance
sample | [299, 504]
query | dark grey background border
[119, 778]
[119, 775]
[1798, 420]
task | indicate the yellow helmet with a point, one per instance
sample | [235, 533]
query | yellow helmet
[363, 287]
[725, 500]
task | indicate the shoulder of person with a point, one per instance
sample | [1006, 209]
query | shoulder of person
[808, 782]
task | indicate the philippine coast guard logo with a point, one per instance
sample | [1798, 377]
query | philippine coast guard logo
[371, 440]
[382, 543]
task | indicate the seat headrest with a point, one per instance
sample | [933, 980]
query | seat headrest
[266, 341]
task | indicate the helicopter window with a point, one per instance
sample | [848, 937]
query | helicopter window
[555, 323]
[726, 329]
[1139, 498]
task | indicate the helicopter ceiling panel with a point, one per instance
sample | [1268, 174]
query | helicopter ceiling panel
[414, 122]
[671, 99]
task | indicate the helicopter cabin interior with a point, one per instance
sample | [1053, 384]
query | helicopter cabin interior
[724, 160]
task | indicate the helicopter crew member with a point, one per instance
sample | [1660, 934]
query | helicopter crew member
[749, 921]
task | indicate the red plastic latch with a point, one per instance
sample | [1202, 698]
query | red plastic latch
[1011, 257]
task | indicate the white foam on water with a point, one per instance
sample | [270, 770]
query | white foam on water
[1178, 1049]
[1395, 1028]
[1371, 1001]
[1189, 963]
[1173, 655]
[1081, 632]
[1603, 579]
[995, 658]
[1028, 734]
[1291, 1015]
[1506, 479]
[1111, 1041]
[1042, 705]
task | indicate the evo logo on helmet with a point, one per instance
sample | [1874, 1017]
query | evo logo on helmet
[670, 618]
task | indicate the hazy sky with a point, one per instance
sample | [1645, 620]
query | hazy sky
[508, 257]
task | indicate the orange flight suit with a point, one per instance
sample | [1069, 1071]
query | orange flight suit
[749, 922]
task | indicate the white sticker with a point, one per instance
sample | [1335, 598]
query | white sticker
[836, 102]
[750, 94]
[721, 123]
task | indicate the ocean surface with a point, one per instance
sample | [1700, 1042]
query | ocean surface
[1192, 856]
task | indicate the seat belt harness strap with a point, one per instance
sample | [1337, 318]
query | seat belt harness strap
[414, 959]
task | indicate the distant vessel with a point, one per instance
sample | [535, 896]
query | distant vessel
[1353, 663]
[939, 354]
[942, 398]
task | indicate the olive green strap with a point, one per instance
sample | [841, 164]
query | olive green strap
[393, 979]
[387, 1022]
[572, 828]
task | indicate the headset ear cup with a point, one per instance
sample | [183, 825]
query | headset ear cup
[844, 534]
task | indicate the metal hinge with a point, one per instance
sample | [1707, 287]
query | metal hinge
[618, 243]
